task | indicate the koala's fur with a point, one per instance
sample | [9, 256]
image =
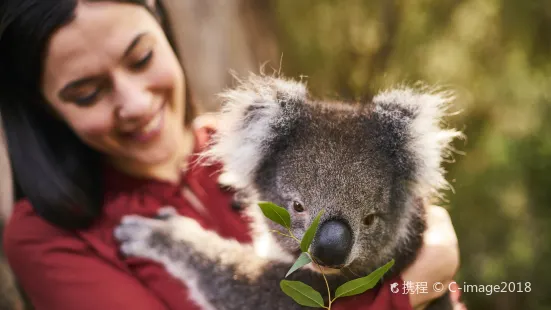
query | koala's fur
[351, 160]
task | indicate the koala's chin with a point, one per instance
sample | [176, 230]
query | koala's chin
[324, 270]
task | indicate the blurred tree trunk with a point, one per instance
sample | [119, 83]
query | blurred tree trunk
[9, 295]
[6, 193]
[216, 37]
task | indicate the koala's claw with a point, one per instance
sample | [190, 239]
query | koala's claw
[166, 212]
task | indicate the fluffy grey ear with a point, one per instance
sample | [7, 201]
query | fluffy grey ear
[253, 115]
[413, 122]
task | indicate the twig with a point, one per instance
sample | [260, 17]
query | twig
[324, 278]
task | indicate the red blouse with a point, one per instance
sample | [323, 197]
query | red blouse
[83, 270]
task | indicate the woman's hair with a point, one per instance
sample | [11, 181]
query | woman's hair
[52, 167]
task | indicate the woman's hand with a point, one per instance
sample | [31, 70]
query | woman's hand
[438, 259]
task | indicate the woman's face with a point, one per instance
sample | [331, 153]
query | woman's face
[115, 80]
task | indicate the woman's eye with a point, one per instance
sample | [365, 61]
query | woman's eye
[143, 62]
[88, 99]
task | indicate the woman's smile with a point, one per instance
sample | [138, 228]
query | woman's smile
[151, 129]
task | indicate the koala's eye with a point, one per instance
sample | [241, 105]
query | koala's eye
[368, 220]
[298, 206]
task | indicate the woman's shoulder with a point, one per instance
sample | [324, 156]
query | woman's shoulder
[25, 228]
[25, 219]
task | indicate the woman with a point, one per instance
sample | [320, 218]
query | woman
[98, 118]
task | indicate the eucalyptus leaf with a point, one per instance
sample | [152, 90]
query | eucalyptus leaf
[358, 286]
[302, 260]
[275, 213]
[302, 293]
[310, 233]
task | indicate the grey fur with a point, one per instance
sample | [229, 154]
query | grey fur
[350, 160]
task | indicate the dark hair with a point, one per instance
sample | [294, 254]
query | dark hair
[52, 167]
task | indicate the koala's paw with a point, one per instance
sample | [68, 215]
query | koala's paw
[146, 237]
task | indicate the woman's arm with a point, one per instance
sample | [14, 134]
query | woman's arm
[58, 271]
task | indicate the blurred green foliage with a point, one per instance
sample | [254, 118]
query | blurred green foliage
[496, 56]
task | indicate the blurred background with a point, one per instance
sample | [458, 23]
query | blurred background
[496, 56]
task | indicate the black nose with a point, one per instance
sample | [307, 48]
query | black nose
[332, 243]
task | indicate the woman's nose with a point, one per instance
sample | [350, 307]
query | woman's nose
[133, 100]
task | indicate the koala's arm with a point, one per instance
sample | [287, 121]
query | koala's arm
[220, 273]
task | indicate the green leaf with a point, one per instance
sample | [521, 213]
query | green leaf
[302, 260]
[310, 233]
[361, 285]
[275, 213]
[302, 293]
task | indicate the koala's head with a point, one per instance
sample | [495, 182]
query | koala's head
[366, 166]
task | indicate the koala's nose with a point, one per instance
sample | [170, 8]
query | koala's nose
[332, 243]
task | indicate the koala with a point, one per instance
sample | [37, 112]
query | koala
[371, 167]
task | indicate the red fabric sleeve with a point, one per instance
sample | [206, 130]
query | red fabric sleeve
[48, 263]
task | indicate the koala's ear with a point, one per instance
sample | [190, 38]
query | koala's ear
[411, 122]
[254, 115]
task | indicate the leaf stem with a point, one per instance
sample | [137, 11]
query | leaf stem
[324, 278]
[279, 232]
[293, 236]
